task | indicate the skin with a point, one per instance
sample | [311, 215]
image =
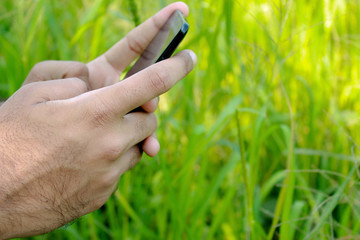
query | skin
[68, 134]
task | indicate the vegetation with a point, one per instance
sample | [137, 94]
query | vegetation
[259, 142]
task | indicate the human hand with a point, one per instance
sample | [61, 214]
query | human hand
[107, 68]
[63, 148]
[54, 70]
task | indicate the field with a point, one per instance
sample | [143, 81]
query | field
[260, 141]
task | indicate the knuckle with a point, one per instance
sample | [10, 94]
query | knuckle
[158, 79]
[98, 119]
[39, 66]
[79, 85]
[101, 113]
[158, 24]
[109, 179]
[134, 44]
[29, 91]
[113, 151]
[77, 69]
[35, 73]
[148, 54]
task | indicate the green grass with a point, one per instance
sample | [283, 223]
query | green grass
[259, 142]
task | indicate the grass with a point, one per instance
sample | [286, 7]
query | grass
[259, 142]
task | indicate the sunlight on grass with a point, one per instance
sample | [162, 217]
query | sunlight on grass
[259, 142]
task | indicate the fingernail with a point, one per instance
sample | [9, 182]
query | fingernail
[193, 56]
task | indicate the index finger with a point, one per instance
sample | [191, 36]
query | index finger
[134, 43]
[122, 97]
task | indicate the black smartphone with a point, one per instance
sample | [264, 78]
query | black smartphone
[163, 44]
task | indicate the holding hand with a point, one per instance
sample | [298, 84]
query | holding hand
[65, 143]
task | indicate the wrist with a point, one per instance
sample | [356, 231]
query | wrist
[6, 221]
[25, 208]
[5, 216]
[8, 213]
[21, 215]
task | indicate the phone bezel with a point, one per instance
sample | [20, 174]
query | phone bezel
[169, 49]
[174, 43]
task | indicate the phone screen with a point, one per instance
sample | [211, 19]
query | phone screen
[163, 44]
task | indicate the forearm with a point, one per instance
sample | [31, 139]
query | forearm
[24, 215]
[18, 208]
[6, 222]
[7, 213]
[19, 222]
[25, 208]
[14, 223]
[8, 185]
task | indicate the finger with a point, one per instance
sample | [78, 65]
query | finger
[138, 126]
[122, 97]
[151, 145]
[135, 42]
[50, 70]
[151, 105]
[128, 160]
[59, 89]
[112, 141]
[125, 162]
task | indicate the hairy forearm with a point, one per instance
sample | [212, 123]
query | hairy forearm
[7, 213]
[3, 223]
[6, 223]
[10, 224]
[20, 221]
[19, 205]
[20, 210]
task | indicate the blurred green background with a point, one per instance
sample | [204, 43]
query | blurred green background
[260, 141]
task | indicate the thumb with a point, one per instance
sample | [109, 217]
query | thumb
[59, 89]
[50, 70]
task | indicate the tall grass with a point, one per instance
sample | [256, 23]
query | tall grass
[259, 142]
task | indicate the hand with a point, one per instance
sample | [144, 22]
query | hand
[107, 68]
[63, 148]
[52, 70]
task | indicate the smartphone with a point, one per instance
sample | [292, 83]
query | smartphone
[163, 44]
